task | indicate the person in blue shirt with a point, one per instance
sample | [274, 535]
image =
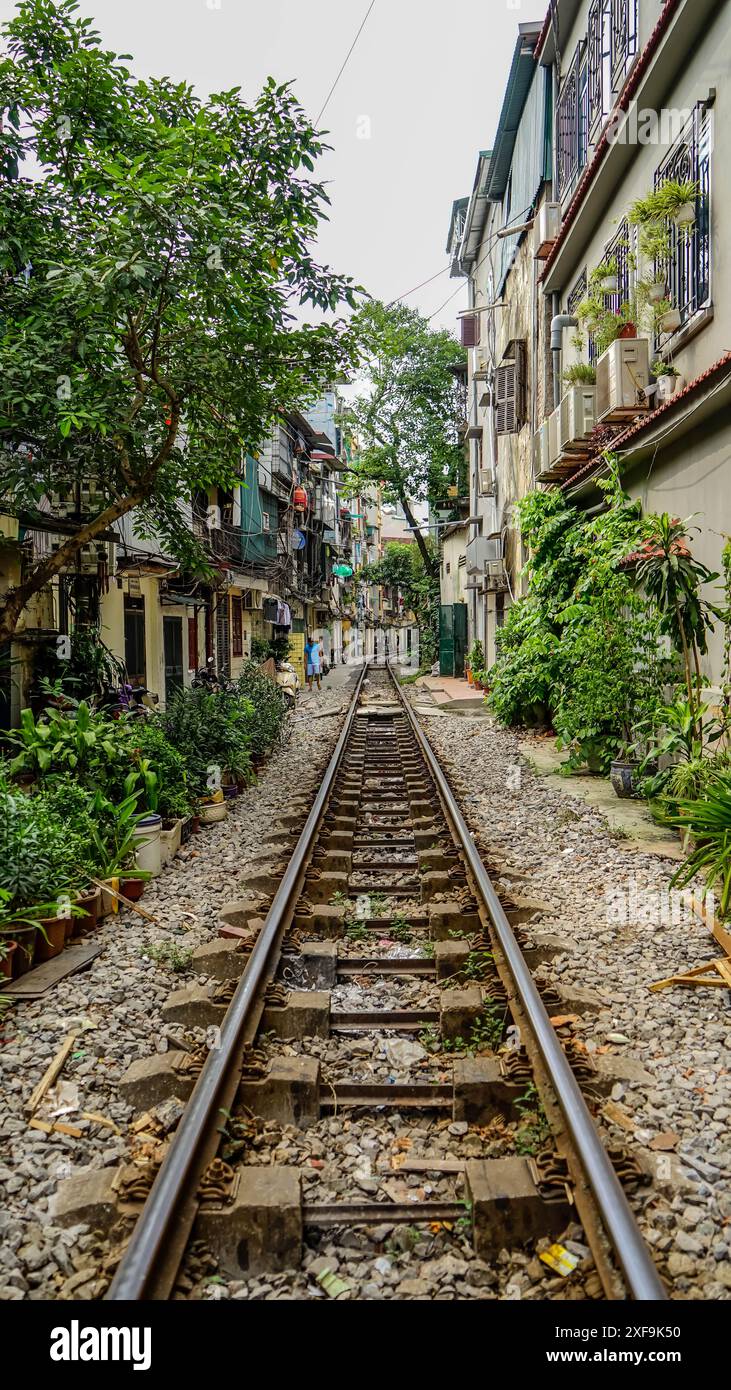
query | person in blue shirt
[312, 662]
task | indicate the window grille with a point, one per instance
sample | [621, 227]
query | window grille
[689, 271]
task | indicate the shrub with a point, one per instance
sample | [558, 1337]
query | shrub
[172, 792]
[40, 854]
[269, 707]
[212, 733]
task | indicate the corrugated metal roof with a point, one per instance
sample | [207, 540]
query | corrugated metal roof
[522, 72]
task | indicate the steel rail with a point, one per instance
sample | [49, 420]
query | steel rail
[134, 1278]
[642, 1278]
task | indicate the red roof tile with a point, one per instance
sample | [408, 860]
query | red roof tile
[645, 421]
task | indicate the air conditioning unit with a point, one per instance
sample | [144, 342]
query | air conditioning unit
[540, 450]
[486, 482]
[496, 577]
[554, 437]
[252, 598]
[548, 227]
[577, 419]
[622, 377]
[265, 521]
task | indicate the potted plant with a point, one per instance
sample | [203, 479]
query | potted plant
[580, 374]
[42, 864]
[668, 378]
[474, 661]
[606, 276]
[116, 839]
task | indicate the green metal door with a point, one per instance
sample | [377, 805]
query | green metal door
[452, 638]
[446, 640]
[460, 637]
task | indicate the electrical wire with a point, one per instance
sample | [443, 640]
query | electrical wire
[519, 217]
[399, 297]
[345, 63]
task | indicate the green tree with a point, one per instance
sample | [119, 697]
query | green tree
[406, 422]
[402, 567]
[152, 273]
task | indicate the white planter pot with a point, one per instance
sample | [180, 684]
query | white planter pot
[656, 292]
[670, 322]
[170, 842]
[148, 855]
[684, 216]
[666, 387]
[210, 814]
[610, 284]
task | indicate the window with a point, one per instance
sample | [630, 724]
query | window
[623, 39]
[569, 137]
[577, 294]
[470, 326]
[689, 275]
[619, 249]
[237, 627]
[510, 389]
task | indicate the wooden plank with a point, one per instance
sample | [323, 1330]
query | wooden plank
[126, 901]
[57, 1127]
[51, 1072]
[723, 937]
[43, 977]
[430, 1165]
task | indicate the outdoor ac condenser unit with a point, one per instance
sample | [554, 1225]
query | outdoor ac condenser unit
[554, 437]
[577, 419]
[622, 376]
[548, 227]
[540, 450]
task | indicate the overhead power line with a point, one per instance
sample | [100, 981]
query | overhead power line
[345, 62]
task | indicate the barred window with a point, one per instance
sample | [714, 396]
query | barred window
[612, 46]
[689, 160]
[577, 294]
[572, 123]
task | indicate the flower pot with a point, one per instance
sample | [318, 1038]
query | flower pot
[230, 792]
[656, 292]
[195, 825]
[186, 829]
[628, 330]
[6, 960]
[470, 677]
[91, 902]
[610, 284]
[52, 939]
[170, 840]
[666, 387]
[23, 957]
[148, 855]
[214, 800]
[209, 814]
[684, 216]
[622, 777]
[132, 888]
[670, 322]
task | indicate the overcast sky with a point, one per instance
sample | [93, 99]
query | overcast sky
[424, 85]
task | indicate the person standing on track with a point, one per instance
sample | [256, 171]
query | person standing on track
[312, 662]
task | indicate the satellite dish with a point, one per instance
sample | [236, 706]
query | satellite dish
[299, 540]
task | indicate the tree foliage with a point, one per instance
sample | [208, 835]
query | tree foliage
[402, 567]
[155, 251]
[406, 422]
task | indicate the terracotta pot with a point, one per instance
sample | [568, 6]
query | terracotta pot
[195, 825]
[91, 901]
[25, 941]
[6, 961]
[628, 330]
[132, 888]
[52, 943]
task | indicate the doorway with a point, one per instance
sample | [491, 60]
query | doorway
[172, 629]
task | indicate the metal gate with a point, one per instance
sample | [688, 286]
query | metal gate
[452, 639]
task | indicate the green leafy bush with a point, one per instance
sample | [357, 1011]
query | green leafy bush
[40, 855]
[151, 746]
[524, 682]
[268, 705]
[212, 733]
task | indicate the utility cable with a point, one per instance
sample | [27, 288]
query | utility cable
[345, 63]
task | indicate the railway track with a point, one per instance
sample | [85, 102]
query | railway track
[384, 897]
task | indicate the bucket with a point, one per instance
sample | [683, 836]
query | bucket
[148, 850]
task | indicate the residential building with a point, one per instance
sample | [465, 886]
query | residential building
[607, 103]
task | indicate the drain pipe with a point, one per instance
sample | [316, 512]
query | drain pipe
[558, 323]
